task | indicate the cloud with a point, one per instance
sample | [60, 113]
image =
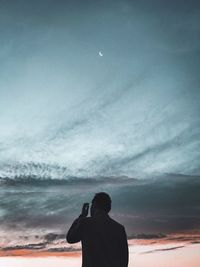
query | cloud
[37, 246]
[164, 204]
[73, 123]
[164, 249]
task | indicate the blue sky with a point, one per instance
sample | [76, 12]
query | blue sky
[67, 111]
[133, 111]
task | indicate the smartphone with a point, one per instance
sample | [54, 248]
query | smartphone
[85, 209]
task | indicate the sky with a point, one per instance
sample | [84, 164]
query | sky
[100, 95]
[133, 111]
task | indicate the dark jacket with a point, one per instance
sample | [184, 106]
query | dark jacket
[104, 241]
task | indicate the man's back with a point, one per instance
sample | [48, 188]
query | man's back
[104, 241]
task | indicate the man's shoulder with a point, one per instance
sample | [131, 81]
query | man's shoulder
[115, 224]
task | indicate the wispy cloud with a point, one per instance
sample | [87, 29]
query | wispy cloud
[134, 111]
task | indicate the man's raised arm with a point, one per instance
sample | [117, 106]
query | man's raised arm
[75, 231]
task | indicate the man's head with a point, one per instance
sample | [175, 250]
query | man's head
[101, 202]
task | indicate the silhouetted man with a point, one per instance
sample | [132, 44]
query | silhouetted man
[104, 241]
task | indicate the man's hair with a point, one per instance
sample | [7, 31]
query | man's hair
[102, 201]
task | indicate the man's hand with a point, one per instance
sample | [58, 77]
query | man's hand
[85, 208]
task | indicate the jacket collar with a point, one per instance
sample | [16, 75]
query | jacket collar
[100, 214]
